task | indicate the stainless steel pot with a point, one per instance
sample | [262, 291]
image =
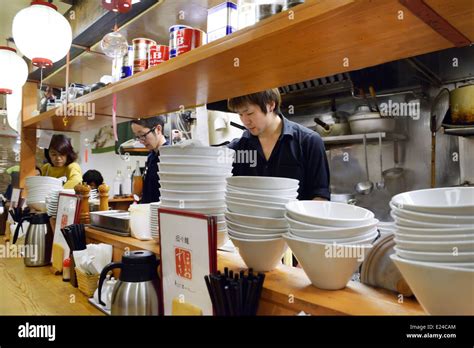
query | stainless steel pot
[365, 121]
[330, 125]
[461, 102]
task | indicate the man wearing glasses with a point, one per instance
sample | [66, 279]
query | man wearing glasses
[149, 132]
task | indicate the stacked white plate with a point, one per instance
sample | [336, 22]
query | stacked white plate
[193, 178]
[154, 227]
[434, 239]
[329, 239]
[38, 187]
[255, 218]
[52, 200]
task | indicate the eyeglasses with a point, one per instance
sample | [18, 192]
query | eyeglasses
[143, 136]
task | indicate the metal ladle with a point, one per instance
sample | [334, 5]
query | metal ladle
[365, 187]
[380, 184]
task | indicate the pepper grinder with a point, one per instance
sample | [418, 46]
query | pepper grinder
[104, 197]
[83, 191]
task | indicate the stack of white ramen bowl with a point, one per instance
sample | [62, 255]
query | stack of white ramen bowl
[329, 239]
[256, 218]
[434, 250]
[193, 178]
[38, 187]
[52, 200]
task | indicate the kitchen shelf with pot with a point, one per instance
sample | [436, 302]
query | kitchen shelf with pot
[318, 38]
[359, 138]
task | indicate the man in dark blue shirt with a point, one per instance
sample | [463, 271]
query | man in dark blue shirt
[275, 146]
[149, 132]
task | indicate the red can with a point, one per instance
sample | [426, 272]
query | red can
[158, 54]
[184, 39]
[140, 54]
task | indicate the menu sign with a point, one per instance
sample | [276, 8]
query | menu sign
[188, 246]
[68, 214]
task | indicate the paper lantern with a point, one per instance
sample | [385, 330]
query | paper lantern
[13, 70]
[42, 34]
[14, 102]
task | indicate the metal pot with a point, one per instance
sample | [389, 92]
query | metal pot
[462, 105]
[365, 121]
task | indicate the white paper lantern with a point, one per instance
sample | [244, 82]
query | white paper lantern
[13, 70]
[42, 34]
[14, 102]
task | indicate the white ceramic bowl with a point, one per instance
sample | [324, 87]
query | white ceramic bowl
[333, 233]
[432, 218]
[297, 225]
[195, 203]
[254, 210]
[226, 160]
[242, 235]
[367, 238]
[219, 211]
[434, 230]
[38, 180]
[252, 202]
[256, 221]
[254, 230]
[448, 200]
[261, 255]
[263, 182]
[203, 195]
[401, 222]
[260, 198]
[440, 246]
[441, 290]
[275, 192]
[434, 256]
[195, 168]
[435, 237]
[193, 186]
[323, 263]
[196, 151]
[329, 213]
[169, 176]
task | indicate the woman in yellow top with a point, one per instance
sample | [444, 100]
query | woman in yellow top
[61, 161]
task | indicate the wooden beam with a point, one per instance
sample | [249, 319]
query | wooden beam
[439, 24]
[28, 136]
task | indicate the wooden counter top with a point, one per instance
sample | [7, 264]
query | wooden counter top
[287, 290]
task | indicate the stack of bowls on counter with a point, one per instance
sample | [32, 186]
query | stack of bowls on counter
[52, 200]
[329, 239]
[255, 218]
[193, 178]
[38, 187]
[154, 227]
[434, 250]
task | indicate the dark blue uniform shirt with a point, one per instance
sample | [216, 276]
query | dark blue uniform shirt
[299, 154]
[151, 181]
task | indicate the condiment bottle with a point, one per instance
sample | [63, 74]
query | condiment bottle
[66, 270]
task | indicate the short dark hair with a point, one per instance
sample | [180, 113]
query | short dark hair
[94, 176]
[61, 144]
[150, 122]
[260, 98]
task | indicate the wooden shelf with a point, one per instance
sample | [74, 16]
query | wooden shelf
[315, 41]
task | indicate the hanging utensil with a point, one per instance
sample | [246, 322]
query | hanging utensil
[380, 184]
[374, 96]
[439, 108]
[367, 186]
[395, 172]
